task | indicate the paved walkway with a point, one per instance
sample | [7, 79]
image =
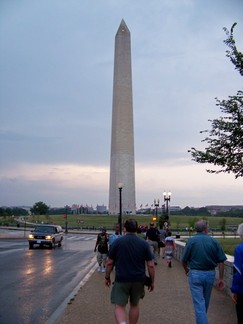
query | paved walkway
[169, 303]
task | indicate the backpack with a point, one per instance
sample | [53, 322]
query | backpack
[102, 245]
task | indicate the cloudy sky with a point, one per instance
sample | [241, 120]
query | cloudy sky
[56, 79]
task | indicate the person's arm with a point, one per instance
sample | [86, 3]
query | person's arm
[234, 297]
[220, 282]
[97, 241]
[151, 272]
[108, 267]
[185, 267]
[174, 245]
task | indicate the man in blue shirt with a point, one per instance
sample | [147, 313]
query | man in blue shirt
[130, 255]
[237, 283]
[201, 255]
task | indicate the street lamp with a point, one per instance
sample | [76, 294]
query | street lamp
[120, 185]
[66, 222]
[156, 205]
[166, 200]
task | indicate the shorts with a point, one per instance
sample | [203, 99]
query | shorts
[101, 258]
[123, 291]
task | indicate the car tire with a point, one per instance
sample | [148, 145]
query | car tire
[52, 245]
[60, 243]
[31, 246]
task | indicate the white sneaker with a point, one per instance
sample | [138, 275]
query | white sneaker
[102, 269]
[99, 269]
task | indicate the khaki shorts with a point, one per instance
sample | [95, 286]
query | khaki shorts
[122, 291]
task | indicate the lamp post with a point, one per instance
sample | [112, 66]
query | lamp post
[24, 225]
[120, 185]
[166, 200]
[156, 205]
[66, 222]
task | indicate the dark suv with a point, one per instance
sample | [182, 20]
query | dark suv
[49, 235]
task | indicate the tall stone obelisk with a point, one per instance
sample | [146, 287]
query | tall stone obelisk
[122, 169]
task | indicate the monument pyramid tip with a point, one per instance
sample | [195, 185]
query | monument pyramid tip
[123, 26]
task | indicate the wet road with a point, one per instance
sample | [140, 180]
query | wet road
[33, 283]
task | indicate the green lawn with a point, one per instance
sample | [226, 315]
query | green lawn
[97, 221]
[229, 244]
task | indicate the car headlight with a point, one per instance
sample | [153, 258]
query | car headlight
[31, 236]
[48, 237]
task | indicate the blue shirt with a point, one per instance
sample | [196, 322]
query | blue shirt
[237, 283]
[130, 254]
[202, 252]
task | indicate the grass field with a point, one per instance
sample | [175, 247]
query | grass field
[97, 221]
[229, 244]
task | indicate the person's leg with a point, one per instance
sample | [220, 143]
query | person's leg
[239, 308]
[150, 243]
[136, 293]
[120, 314]
[163, 252]
[156, 249]
[119, 297]
[208, 286]
[133, 314]
[196, 287]
[168, 253]
[104, 257]
[99, 260]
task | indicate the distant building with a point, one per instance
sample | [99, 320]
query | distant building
[215, 209]
[145, 210]
[101, 209]
[175, 208]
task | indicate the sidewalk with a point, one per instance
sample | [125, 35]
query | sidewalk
[169, 303]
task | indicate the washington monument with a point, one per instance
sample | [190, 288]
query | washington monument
[122, 171]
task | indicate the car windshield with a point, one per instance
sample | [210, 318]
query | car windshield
[44, 229]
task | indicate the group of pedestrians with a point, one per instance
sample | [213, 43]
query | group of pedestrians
[133, 260]
[161, 243]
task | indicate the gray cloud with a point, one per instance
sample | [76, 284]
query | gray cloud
[56, 61]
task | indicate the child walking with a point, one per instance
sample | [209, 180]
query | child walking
[169, 248]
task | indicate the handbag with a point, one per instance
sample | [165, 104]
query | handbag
[147, 281]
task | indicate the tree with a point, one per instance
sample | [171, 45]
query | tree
[225, 139]
[222, 223]
[39, 208]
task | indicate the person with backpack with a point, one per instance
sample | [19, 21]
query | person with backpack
[102, 246]
[152, 236]
[132, 258]
[162, 236]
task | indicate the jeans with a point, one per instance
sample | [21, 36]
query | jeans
[201, 284]
[239, 308]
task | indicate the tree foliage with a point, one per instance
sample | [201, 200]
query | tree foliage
[16, 211]
[225, 139]
[39, 208]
